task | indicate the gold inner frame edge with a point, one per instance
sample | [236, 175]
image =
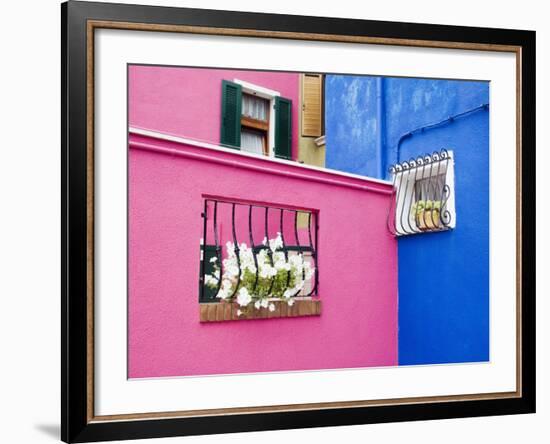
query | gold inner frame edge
[92, 25]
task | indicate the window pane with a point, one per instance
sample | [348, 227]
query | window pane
[252, 141]
[255, 107]
[430, 188]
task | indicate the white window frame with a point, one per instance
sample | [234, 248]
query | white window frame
[269, 94]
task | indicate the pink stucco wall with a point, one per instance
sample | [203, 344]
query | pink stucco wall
[187, 101]
[357, 263]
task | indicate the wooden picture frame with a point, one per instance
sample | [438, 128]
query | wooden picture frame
[79, 22]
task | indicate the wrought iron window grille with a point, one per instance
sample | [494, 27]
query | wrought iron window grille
[423, 197]
[253, 224]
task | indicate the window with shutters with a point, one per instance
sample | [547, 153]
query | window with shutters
[255, 124]
[256, 120]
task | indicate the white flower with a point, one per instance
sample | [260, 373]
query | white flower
[309, 270]
[277, 243]
[296, 260]
[278, 256]
[223, 294]
[230, 264]
[230, 247]
[244, 298]
[290, 302]
[272, 307]
[210, 280]
[247, 261]
[232, 270]
[253, 271]
[239, 312]
[225, 290]
[267, 271]
[282, 265]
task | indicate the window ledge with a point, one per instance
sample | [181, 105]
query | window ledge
[320, 141]
[227, 311]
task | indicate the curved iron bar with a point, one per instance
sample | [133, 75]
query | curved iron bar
[416, 164]
[393, 202]
[313, 254]
[299, 249]
[439, 189]
[269, 252]
[218, 248]
[414, 171]
[425, 171]
[406, 169]
[400, 171]
[285, 251]
[252, 246]
[203, 251]
[237, 251]
[428, 161]
[445, 214]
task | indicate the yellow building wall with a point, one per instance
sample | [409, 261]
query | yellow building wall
[308, 152]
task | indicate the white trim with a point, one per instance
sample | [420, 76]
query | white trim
[116, 394]
[211, 146]
[257, 90]
[269, 94]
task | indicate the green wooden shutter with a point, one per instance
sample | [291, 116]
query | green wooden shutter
[283, 127]
[231, 114]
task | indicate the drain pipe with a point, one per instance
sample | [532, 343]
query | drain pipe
[381, 126]
[429, 126]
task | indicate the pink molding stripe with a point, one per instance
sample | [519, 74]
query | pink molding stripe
[357, 263]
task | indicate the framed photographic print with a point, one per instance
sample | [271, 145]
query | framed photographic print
[276, 221]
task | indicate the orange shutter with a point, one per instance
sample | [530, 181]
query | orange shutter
[312, 104]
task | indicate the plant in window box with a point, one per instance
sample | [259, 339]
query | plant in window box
[427, 214]
[254, 281]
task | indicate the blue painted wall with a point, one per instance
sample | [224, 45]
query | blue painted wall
[351, 125]
[443, 277]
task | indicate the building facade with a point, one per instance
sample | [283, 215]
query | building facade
[313, 151]
[179, 156]
[443, 277]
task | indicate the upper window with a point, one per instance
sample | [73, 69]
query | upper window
[255, 124]
[256, 120]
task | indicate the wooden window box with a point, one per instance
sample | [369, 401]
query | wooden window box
[227, 311]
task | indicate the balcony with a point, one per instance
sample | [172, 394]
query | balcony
[423, 195]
